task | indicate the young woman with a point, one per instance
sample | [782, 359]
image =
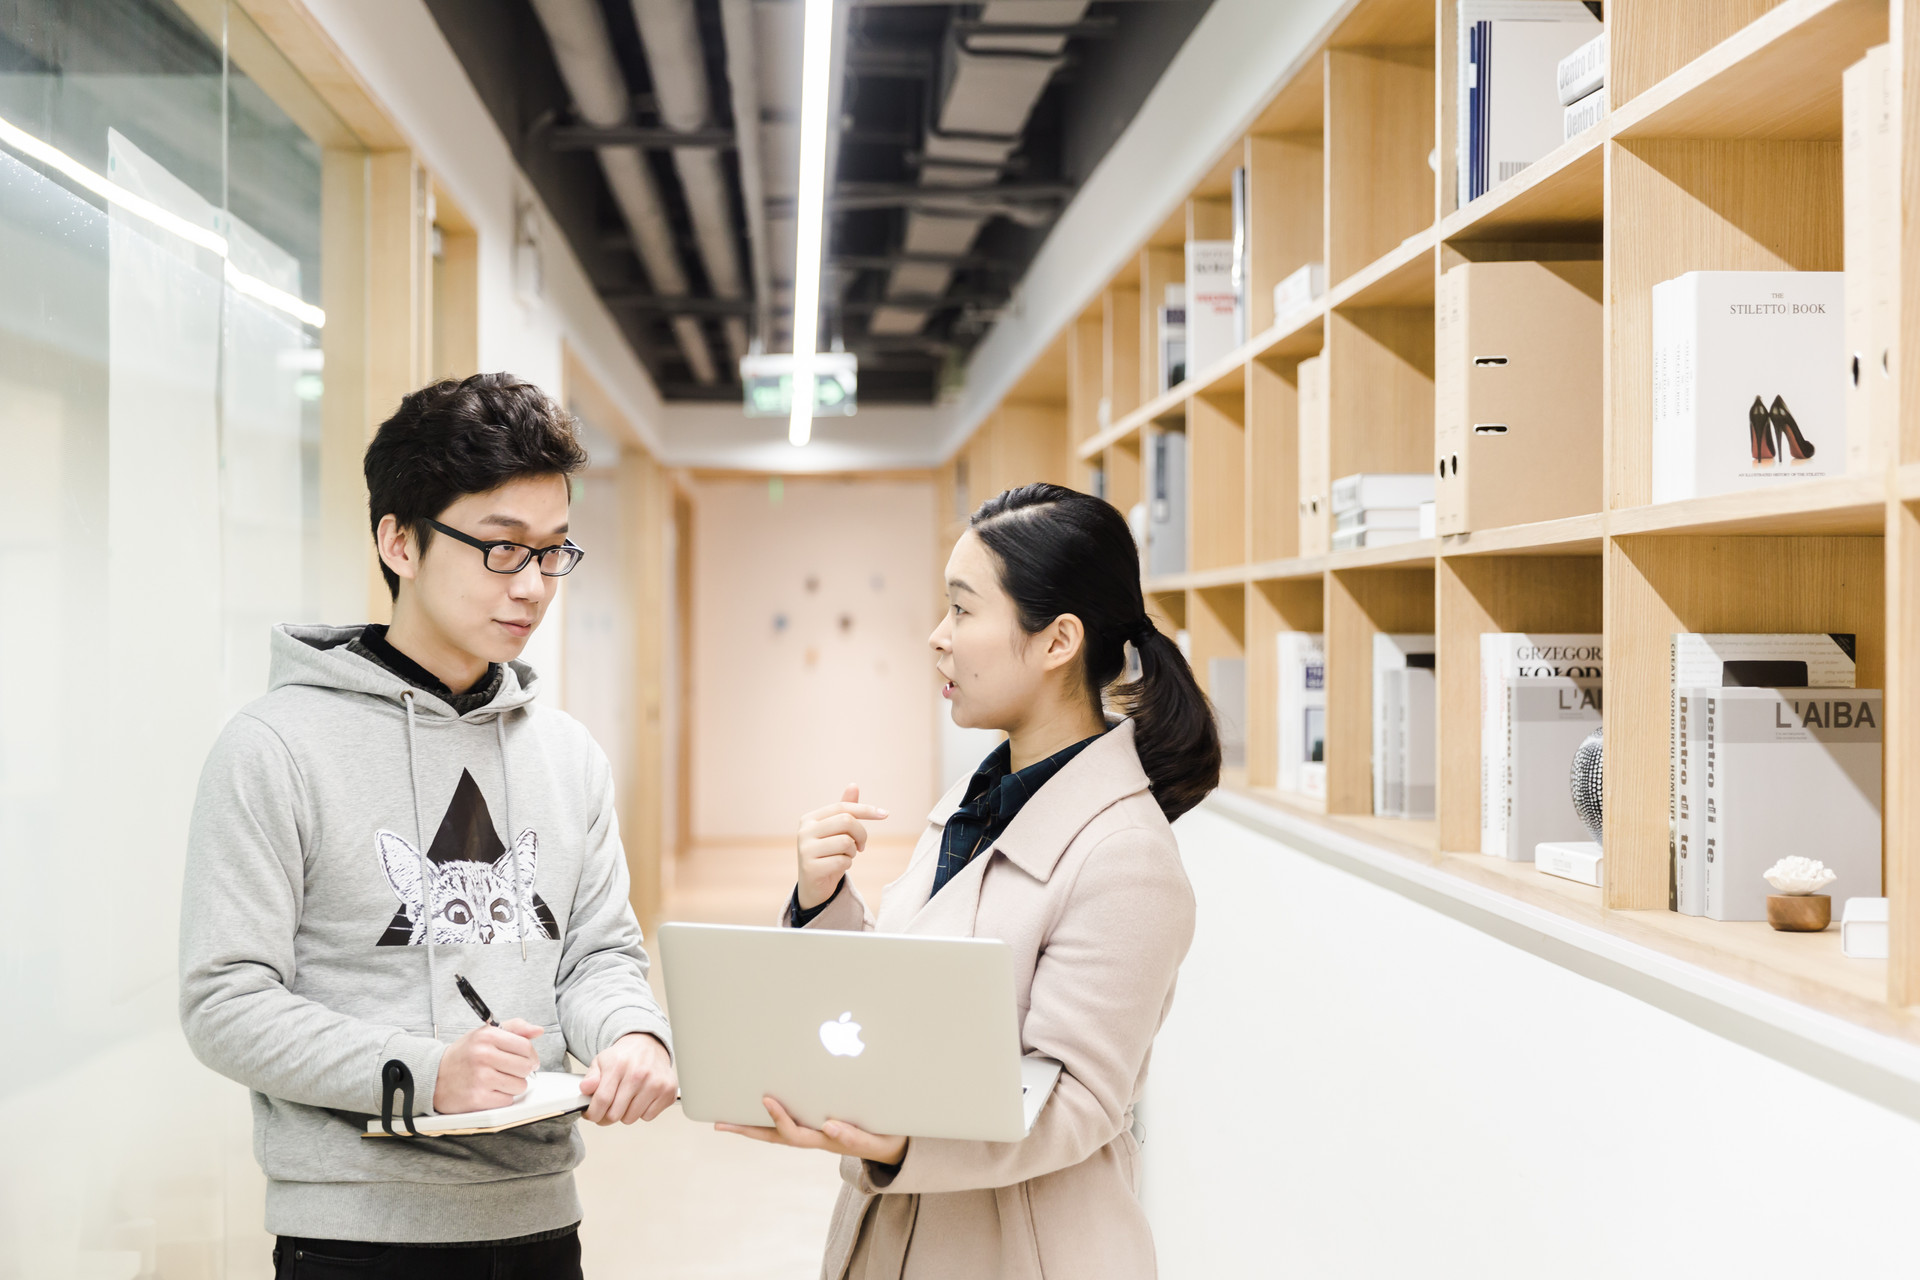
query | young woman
[1060, 846]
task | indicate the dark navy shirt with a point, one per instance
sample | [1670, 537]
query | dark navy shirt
[994, 796]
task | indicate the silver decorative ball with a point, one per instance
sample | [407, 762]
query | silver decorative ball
[1585, 781]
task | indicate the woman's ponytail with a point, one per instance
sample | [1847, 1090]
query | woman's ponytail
[1066, 552]
[1174, 730]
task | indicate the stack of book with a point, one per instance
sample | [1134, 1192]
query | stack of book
[1583, 86]
[1403, 726]
[1173, 338]
[1774, 753]
[1166, 502]
[1377, 509]
[1509, 112]
[1539, 698]
[1749, 380]
[1298, 290]
[1303, 713]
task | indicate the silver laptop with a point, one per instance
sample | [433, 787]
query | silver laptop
[899, 1035]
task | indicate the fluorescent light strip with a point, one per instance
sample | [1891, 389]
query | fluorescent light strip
[279, 299]
[141, 207]
[816, 65]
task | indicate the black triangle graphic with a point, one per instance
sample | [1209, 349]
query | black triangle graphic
[466, 833]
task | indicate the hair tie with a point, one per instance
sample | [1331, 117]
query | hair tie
[1140, 630]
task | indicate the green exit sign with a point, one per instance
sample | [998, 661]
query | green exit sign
[767, 383]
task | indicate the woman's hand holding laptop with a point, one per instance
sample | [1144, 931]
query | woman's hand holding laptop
[829, 839]
[837, 1136]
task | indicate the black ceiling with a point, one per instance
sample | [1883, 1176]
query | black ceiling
[894, 71]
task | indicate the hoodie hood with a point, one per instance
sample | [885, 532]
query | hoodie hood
[312, 654]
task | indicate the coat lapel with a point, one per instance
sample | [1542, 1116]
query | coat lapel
[1099, 777]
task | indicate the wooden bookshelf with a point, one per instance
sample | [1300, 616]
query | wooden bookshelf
[1722, 152]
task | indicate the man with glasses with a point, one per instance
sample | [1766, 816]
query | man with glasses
[398, 841]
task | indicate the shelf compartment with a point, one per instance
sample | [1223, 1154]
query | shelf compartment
[1842, 505]
[1273, 460]
[1776, 78]
[1166, 408]
[1649, 40]
[1285, 214]
[1217, 481]
[1486, 593]
[1272, 607]
[1379, 128]
[1561, 196]
[1698, 204]
[1380, 389]
[1217, 628]
[1657, 585]
[1360, 603]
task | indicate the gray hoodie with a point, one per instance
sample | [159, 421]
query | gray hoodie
[307, 963]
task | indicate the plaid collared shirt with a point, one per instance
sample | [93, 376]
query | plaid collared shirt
[993, 797]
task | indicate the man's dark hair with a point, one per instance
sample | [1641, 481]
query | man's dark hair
[450, 439]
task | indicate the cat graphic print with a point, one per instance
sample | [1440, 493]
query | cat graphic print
[478, 890]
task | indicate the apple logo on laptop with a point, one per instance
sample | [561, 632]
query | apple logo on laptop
[842, 1037]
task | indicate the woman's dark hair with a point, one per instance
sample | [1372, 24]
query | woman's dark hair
[450, 439]
[1066, 552]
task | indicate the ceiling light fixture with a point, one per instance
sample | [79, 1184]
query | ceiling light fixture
[816, 67]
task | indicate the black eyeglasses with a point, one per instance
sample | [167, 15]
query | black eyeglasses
[512, 557]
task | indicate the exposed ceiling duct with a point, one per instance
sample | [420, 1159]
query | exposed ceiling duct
[670, 33]
[577, 30]
[743, 83]
[994, 76]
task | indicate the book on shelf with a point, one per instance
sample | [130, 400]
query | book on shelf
[1303, 713]
[1578, 117]
[1298, 289]
[1242, 320]
[1167, 507]
[1506, 66]
[1363, 536]
[1370, 489]
[1413, 745]
[1227, 690]
[1392, 652]
[1507, 656]
[1729, 659]
[1870, 168]
[1316, 499]
[1429, 520]
[1780, 773]
[1749, 385]
[1210, 303]
[1378, 518]
[1173, 338]
[1518, 350]
[1582, 71]
[1097, 481]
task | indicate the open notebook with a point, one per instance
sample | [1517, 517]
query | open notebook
[549, 1094]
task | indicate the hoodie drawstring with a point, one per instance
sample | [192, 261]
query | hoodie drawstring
[521, 906]
[426, 876]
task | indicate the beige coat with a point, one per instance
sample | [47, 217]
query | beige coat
[1087, 888]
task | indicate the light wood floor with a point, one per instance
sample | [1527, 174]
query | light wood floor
[674, 1198]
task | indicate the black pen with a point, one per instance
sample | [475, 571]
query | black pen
[473, 998]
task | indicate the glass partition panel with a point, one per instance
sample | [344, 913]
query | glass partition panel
[160, 393]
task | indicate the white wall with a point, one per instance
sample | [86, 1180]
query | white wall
[1354, 1085]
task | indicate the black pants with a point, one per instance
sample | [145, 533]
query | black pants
[554, 1259]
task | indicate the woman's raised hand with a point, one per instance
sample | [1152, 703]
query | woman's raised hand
[828, 842]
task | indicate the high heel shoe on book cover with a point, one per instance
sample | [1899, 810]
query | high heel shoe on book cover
[1789, 431]
[1760, 431]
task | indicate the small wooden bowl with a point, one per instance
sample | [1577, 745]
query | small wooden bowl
[1799, 912]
